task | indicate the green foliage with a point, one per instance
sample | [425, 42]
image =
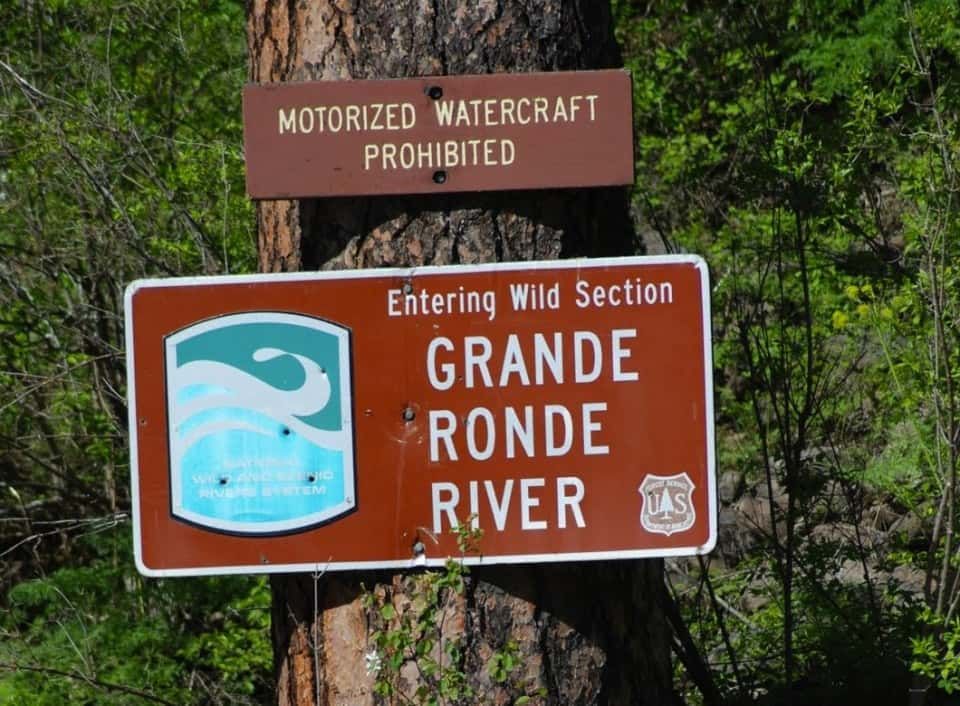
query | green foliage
[936, 655]
[99, 630]
[120, 157]
[239, 652]
[416, 637]
[808, 150]
[504, 662]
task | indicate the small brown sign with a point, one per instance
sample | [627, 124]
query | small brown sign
[438, 134]
[352, 419]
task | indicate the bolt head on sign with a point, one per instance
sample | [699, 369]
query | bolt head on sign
[354, 419]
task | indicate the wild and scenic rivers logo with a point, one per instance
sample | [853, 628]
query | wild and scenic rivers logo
[260, 422]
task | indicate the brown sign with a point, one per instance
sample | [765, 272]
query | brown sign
[438, 134]
[352, 419]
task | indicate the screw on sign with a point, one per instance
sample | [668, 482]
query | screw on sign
[564, 407]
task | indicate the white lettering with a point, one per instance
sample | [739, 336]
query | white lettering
[288, 122]
[499, 506]
[550, 413]
[447, 369]
[528, 502]
[389, 152]
[553, 359]
[620, 354]
[507, 156]
[593, 108]
[515, 431]
[444, 112]
[478, 360]
[579, 372]
[444, 434]
[306, 126]
[335, 119]
[477, 453]
[443, 506]
[513, 363]
[590, 426]
[370, 152]
[569, 502]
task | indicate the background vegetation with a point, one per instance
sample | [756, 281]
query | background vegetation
[808, 149]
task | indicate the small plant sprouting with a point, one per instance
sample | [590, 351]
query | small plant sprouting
[414, 639]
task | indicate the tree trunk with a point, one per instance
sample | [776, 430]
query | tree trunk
[590, 633]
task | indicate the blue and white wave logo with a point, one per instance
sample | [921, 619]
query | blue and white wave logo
[260, 425]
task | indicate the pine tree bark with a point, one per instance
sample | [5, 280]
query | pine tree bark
[588, 634]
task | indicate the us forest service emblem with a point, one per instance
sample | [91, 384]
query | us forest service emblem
[259, 414]
[667, 504]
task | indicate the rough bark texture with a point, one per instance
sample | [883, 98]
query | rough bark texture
[292, 41]
[588, 634]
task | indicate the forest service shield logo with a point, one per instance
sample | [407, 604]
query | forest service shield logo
[260, 423]
[667, 504]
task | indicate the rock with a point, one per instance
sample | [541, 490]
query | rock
[911, 530]
[910, 579]
[882, 517]
[846, 534]
[779, 492]
[730, 486]
[850, 573]
[836, 499]
[754, 598]
[734, 539]
[753, 514]
[683, 573]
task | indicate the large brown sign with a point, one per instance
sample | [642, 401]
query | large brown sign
[438, 134]
[352, 419]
